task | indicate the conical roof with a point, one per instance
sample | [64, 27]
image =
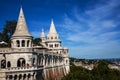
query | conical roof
[52, 28]
[42, 33]
[21, 29]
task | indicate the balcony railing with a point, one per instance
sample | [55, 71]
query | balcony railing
[9, 50]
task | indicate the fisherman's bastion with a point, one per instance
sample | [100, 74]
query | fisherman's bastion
[24, 61]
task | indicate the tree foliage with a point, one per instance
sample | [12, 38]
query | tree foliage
[8, 31]
[101, 71]
[36, 41]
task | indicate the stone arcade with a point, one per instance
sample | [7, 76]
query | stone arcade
[23, 61]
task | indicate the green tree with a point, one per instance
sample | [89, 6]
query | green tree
[36, 41]
[8, 31]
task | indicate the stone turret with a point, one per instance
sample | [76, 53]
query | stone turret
[53, 40]
[21, 29]
[52, 32]
[43, 37]
[21, 37]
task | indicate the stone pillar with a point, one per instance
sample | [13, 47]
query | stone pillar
[20, 43]
[31, 77]
[25, 43]
[30, 43]
[43, 60]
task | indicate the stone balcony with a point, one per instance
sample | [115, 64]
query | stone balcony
[21, 69]
[10, 50]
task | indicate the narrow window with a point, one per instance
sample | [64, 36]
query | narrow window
[23, 43]
[28, 43]
[18, 43]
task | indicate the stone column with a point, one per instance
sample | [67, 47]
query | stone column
[43, 60]
[25, 43]
[30, 43]
[20, 43]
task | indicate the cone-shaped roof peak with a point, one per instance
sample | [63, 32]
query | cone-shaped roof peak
[21, 29]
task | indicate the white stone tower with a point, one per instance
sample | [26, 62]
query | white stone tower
[21, 42]
[21, 37]
[43, 38]
[53, 41]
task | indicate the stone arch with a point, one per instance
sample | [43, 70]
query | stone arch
[20, 76]
[21, 62]
[15, 77]
[8, 64]
[23, 43]
[10, 77]
[3, 63]
[18, 43]
[24, 77]
[29, 76]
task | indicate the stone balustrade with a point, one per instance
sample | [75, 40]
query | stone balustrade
[16, 69]
[5, 50]
[10, 50]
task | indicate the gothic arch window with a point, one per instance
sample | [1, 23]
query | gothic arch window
[28, 43]
[8, 64]
[3, 63]
[18, 43]
[21, 62]
[23, 43]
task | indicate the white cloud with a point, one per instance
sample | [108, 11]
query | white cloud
[93, 28]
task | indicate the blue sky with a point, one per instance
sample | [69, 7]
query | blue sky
[89, 28]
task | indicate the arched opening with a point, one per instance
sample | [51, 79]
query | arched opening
[3, 63]
[29, 76]
[10, 77]
[28, 43]
[21, 62]
[23, 43]
[15, 77]
[24, 77]
[18, 43]
[8, 64]
[20, 76]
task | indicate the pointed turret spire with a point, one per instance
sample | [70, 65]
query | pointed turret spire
[52, 28]
[42, 33]
[21, 29]
[52, 32]
[43, 37]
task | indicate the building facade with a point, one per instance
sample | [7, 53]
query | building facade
[24, 61]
